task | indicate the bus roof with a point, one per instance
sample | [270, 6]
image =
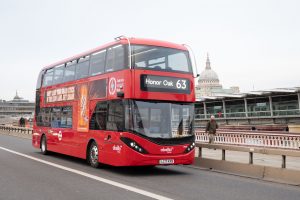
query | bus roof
[121, 40]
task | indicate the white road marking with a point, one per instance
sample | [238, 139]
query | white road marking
[97, 178]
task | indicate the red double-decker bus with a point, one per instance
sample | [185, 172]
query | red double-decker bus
[126, 103]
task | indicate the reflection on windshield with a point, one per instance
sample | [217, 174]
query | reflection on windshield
[160, 120]
[160, 58]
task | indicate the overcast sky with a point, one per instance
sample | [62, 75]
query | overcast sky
[252, 44]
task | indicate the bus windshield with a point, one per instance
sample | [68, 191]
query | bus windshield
[160, 58]
[160, 119]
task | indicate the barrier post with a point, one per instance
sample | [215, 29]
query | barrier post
[200, 152]
[223, 154]
[283, 165]
[251, 158]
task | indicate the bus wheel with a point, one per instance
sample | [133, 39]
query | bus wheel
[44, 145]
[93, 155]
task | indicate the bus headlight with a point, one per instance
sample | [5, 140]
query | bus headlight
[190, 147]
[133, 145]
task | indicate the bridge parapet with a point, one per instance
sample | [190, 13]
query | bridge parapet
[257, 139]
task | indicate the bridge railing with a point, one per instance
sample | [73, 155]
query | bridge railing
[16, 129]
[248, 138]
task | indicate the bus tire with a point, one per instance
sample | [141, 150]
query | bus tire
[93, 155]
[44, 145]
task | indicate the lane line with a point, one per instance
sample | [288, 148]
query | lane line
[97, 178]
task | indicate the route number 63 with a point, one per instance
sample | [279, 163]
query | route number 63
[181, 84]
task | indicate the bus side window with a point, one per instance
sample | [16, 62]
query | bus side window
[58, 74]
[82, 68]
[69, 74]
[39, 117]
[55, 117]
[66, 117]
[115, 119]
[48, 78]
[115, 59]
[97, 63]
[46, 117]
[99, 117]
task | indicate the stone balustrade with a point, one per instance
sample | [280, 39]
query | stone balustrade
[16, 129]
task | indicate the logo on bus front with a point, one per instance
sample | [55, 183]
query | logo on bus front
[166, 150]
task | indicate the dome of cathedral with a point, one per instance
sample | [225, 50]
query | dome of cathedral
[208, 74]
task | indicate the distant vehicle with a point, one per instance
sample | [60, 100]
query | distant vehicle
[126, 103]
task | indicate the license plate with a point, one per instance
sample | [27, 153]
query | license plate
[166, 161]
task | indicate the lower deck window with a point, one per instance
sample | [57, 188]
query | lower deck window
[55, 117]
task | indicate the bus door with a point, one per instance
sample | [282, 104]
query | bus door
[107, 119]
[114, 125]
[112, 147]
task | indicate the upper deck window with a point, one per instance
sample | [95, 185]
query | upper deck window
[82, 68]
[115, 59]
[97, 63]
[58, 74]
[160, 58]
[70, 71]
[48, 78]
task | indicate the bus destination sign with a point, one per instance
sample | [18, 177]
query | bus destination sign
[165, 84]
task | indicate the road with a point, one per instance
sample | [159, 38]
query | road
[62, 177]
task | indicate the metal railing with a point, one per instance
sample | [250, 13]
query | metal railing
[258, 139]
[291, 112]
[286, 112]
[238, 137]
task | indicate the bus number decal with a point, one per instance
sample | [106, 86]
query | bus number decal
[154, 83]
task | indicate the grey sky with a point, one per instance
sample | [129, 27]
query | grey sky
[250, 43]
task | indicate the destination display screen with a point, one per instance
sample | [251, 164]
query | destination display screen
[165, 84]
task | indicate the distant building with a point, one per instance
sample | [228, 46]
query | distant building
[274, 106]
[209, 84]
[16, 108]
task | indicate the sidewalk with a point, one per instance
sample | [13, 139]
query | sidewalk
[21, 135]
[258, 159]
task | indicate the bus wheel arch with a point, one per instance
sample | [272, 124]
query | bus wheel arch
[92, 153]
